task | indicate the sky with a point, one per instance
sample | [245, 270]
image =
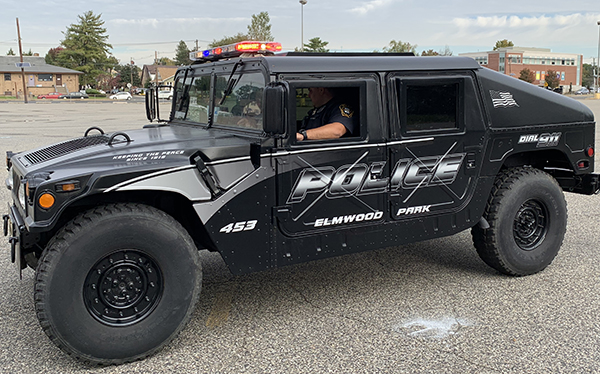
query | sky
[139, 29]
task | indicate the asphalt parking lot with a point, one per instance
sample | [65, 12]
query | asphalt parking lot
[430, 307]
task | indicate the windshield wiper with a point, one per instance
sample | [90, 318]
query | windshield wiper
[186, 89]
[231, 82]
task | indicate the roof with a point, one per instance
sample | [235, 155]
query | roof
[163, 70]
[364, 63]
[38, 65]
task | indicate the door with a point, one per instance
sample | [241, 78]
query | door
[325, 186]
[59, 80]
[435, 154]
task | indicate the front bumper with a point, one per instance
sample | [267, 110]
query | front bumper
[14, 228]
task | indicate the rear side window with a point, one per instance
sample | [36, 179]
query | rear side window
[429, 106]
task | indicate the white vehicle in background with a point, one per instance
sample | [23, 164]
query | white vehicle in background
[165, 95]
[121, 96]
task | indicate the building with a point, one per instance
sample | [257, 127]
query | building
[512, 60]
[40, 78]
[166, 74]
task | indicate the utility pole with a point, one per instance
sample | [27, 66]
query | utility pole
[156, 64]
[22, 69]
[131, 71]
[197, 45]
[302, 4]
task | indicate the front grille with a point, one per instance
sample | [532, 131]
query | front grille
[63, 148]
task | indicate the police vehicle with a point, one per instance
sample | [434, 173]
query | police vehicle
[112, 223]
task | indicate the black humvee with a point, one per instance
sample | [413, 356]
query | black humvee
[112, 223]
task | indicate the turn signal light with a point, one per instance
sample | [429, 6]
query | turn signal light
[46, 200]
[589, 151]
[67, 186]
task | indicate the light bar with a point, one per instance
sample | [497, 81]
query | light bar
[236, 49]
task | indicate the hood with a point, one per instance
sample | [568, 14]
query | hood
[149, 150]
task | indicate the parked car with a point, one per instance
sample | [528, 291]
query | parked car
[74, 95]
[120, 96]
[582, 91]
[51, 95]
[165, 95]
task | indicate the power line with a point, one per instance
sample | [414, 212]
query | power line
[39, 44]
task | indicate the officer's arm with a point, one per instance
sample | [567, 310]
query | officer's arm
[329, 131]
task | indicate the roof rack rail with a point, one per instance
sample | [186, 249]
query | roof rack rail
[345, 54]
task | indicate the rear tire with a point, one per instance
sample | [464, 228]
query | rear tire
[117, 283]
[527, 214]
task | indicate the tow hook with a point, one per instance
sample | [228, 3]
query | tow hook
[13, 240]
[5, 218]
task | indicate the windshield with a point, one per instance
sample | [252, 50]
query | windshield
[199, 100]
[240, 108]
[243, 106]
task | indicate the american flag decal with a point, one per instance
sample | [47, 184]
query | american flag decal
[502, 99]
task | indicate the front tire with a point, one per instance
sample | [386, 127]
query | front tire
[527, 214]
[117, 283]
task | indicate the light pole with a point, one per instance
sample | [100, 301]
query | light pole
[597, 78]
[302, 4]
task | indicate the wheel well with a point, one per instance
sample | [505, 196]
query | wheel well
[176, 205]
[539, 159]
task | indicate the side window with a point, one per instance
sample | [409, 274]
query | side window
[318, 105]
[429, 106]
[242, 107]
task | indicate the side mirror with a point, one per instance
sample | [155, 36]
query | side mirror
[275, 108]
[150, 104]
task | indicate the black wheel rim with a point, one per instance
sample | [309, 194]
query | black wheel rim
[530, 225]
[123, 288]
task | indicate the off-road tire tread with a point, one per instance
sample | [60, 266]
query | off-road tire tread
[55, 248]
[484, 240]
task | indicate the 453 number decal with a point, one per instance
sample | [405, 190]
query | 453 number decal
[239, 226]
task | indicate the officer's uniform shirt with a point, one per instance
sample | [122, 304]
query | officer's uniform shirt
[333, 111]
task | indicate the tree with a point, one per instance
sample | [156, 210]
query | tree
[165, 61]
[10, 52]
[527, 75]
[127, 72]
[399, 47]
[182, 54]
[445, 52]
[260, 29]
[503, 44]
[430, 52]
[316, 45]
[587, 77]
[552, 78]
[29, 53]
[52, 55]
[239, 37]
[442, 52]
[86, 48]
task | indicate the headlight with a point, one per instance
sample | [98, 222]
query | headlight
[22, 197]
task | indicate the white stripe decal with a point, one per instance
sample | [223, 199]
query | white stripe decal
[117, 186]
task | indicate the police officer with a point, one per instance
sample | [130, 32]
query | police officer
[329, 119]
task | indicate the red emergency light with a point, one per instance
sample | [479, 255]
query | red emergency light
[236, 49]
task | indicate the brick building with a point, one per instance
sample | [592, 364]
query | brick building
[40, 78]
[511, 60]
